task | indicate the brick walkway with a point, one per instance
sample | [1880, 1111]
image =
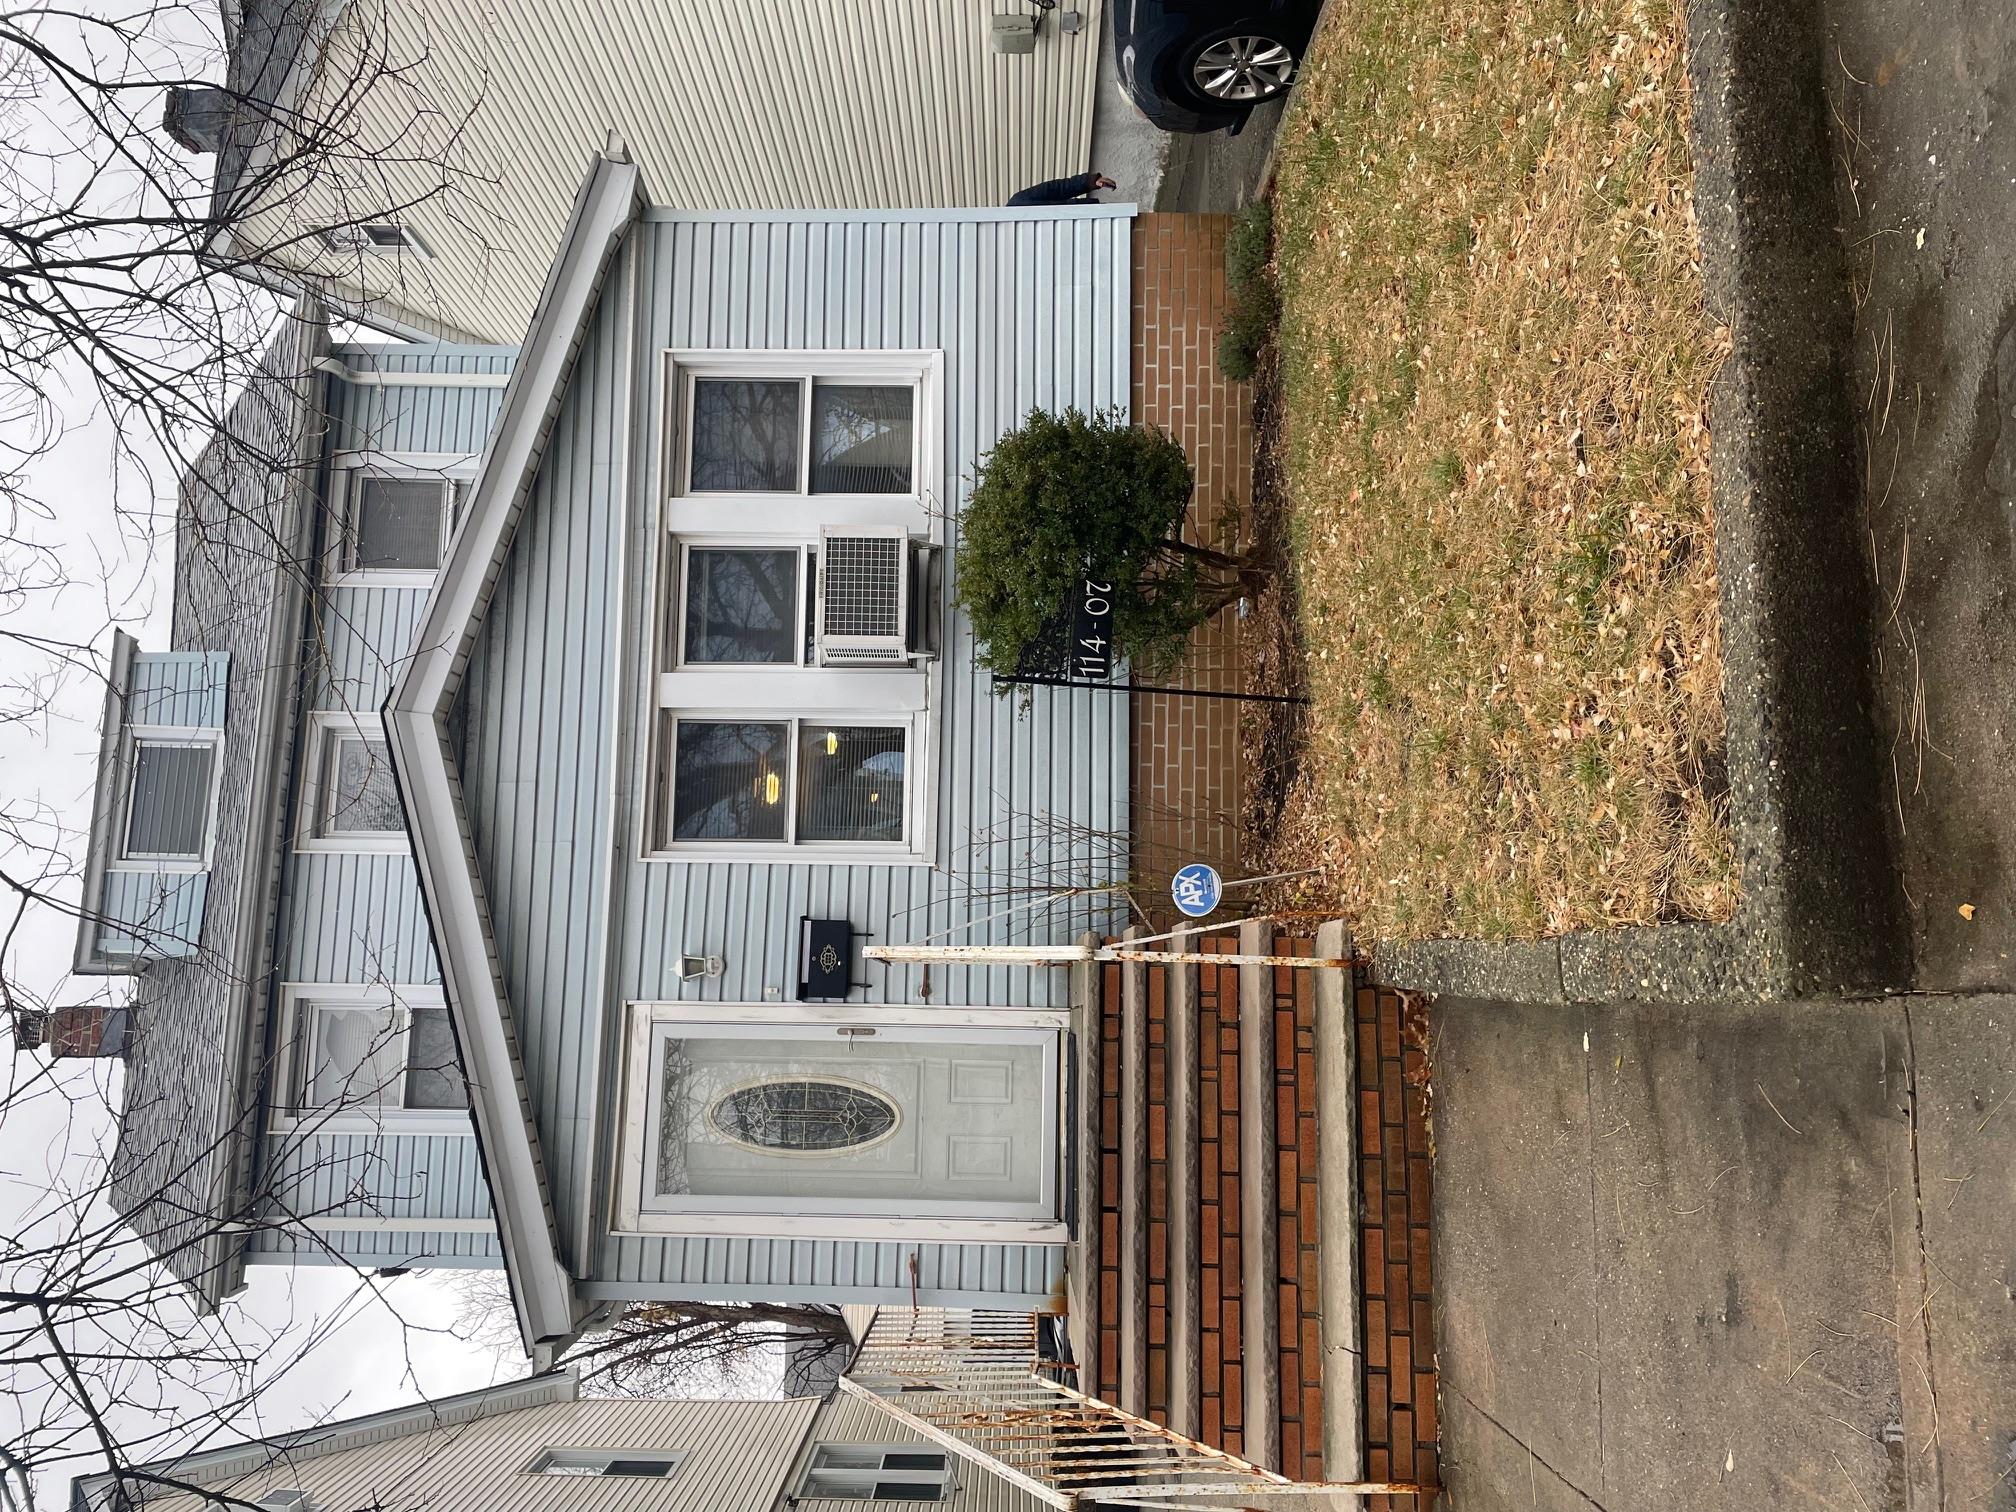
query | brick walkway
[1186, 750]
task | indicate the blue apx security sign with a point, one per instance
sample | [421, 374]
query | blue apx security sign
[1196, 890]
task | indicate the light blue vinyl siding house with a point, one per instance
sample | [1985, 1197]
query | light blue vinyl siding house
[679, 691]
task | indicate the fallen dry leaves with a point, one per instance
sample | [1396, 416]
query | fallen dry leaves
[1494, 361]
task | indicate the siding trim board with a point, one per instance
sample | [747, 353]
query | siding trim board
[978, 215]
[417, 728]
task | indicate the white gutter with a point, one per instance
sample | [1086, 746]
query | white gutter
[416, 726]
[372, 378]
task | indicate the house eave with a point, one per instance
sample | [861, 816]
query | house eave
[87, 960]
[416, 718]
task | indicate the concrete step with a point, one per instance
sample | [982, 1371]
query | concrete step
[1185, 1376]
[1260, 1202]
[1134, 1186]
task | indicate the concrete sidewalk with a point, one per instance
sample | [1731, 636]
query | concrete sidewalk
[1695, 1258]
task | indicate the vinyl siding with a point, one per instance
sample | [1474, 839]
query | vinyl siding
[737, 1455]
[1028, 310]
[178, 688]
[358, 917]
[845, 1419]
[792, 104]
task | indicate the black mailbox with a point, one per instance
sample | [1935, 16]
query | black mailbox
[825, 959]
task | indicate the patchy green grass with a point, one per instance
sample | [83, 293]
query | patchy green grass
[1493, 361]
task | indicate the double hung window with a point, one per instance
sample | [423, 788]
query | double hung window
[791, 707]
[350, 799]
[635, 1464]
[876, 1472]
[382, 1057]
[170, 799]
[393, 517]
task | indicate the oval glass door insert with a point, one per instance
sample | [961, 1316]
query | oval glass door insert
[804, 1116]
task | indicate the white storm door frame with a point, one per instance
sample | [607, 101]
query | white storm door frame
[634, 1131]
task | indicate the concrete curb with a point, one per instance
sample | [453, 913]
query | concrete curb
[1822, 914]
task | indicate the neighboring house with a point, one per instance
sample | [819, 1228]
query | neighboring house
[534, 1445]
[421, 157]
[680, 715]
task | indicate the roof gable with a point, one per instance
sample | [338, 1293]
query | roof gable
[418, 723]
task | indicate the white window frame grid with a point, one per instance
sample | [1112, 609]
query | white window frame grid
[922, 371]
[682, 550]
[325, 727]
[354, 236]
[863, 1482]
[914, 848]
[454, 471]
[298, 1003]
[592, 1463]
[771, 692]
[135, 736]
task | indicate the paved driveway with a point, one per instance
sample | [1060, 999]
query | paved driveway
[1693, 1258]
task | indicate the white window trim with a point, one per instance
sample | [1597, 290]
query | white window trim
[867, 1480]
[325, 725]
[561, 1460]
[919, 806]
[184, 735]
[785, 691]
[299, 999]
[448, 468]
[350, 236]
[923, 369]
[682, 550]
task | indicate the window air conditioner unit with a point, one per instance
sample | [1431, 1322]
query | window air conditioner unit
[865, 616]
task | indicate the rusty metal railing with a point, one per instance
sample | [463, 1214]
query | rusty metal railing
[971, 1382]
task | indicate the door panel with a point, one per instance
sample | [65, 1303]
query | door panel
[903, 1122]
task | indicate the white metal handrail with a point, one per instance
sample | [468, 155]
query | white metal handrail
[970, 1381]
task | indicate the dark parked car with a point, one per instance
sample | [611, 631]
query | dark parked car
[1198, 65]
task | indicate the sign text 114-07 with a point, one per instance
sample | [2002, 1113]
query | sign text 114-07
[1092, 633]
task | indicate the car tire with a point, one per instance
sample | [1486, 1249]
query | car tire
[1250, 67]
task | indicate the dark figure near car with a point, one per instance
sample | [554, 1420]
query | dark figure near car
[1076, 190]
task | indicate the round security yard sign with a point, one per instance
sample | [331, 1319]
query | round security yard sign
[1196, 890]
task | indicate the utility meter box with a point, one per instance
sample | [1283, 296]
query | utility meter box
[1013, 33]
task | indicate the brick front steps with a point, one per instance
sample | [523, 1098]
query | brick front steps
[1202, 1296]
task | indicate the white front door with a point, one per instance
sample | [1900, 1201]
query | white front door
[859, 1119]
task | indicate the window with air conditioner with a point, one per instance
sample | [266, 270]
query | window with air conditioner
[800, 606]
[393, 518]
[381, 1058]
[876, 1472]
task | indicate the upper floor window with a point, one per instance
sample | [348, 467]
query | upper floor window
[393, 517]
[392, 237]
[170, 797]
[350, 800]
[638, 1464]
[374, 1057]
[876, 1472]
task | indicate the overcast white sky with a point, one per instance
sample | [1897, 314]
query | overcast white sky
[117, 567]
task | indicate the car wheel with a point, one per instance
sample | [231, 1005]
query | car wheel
[1242, 68]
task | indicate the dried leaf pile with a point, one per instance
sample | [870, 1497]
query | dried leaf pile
[1494, 361]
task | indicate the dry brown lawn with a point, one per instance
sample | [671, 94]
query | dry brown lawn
[1493, 362]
